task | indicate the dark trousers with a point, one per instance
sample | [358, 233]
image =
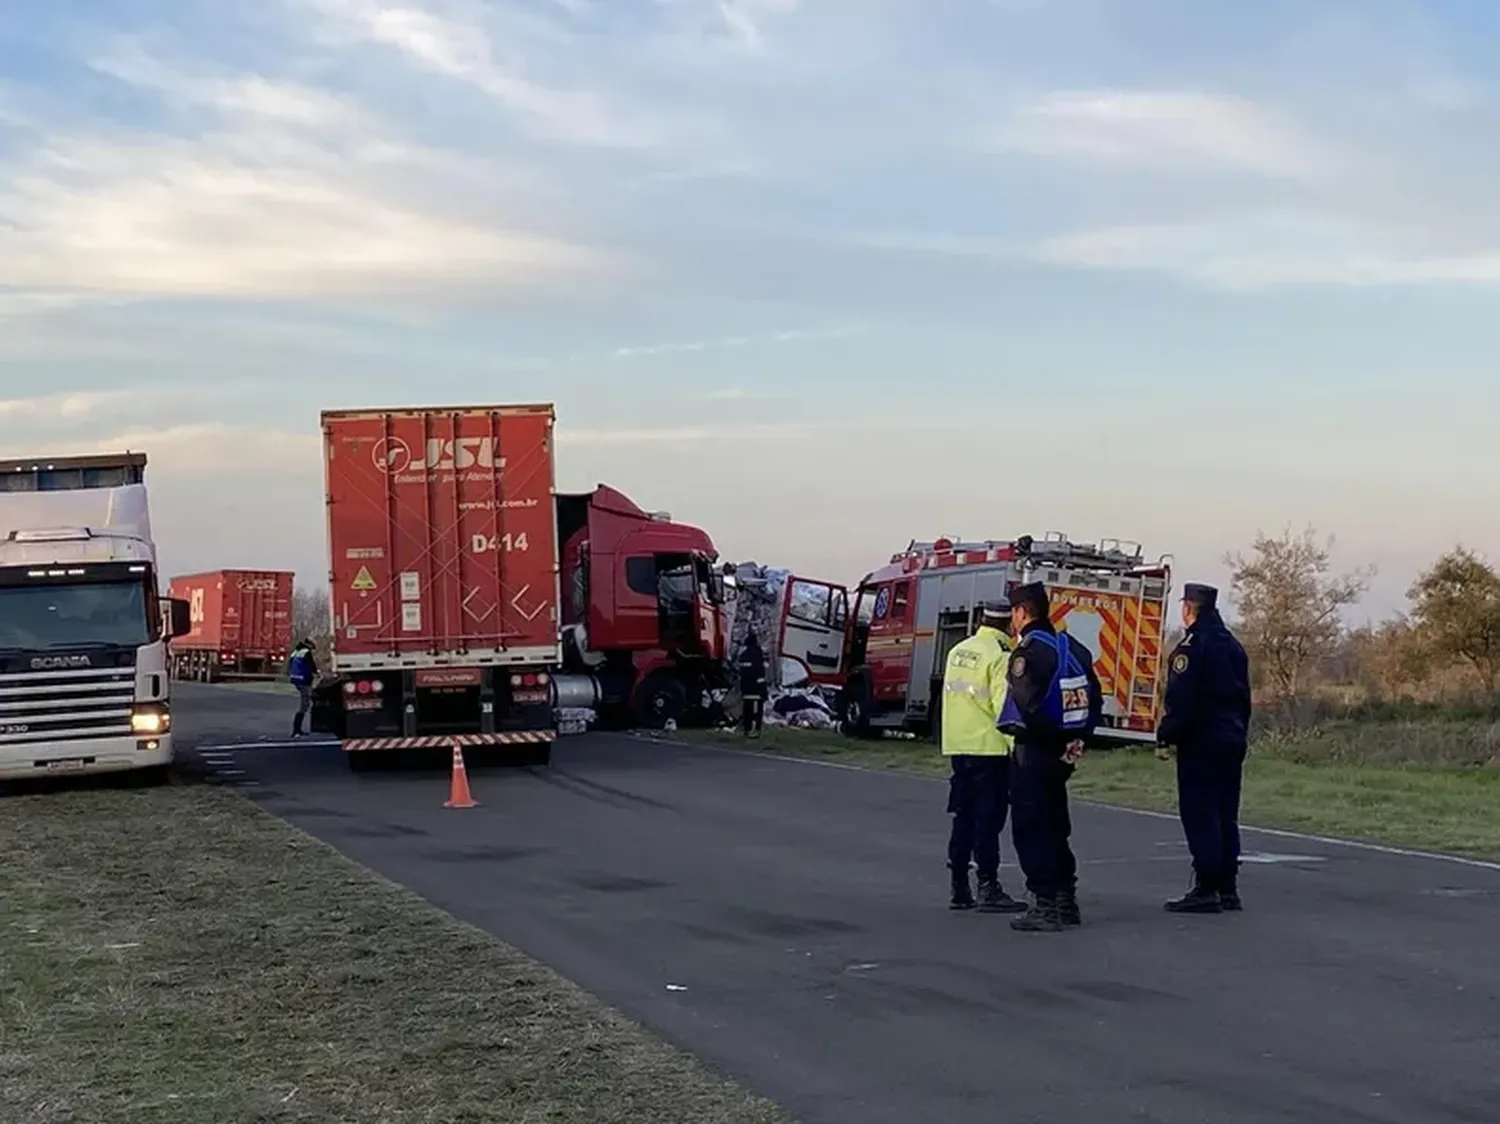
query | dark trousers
[752, 713]
[978, 800]
[304, 704]
[1208, 803]
[1040, 823]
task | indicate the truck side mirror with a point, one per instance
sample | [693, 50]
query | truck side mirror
[182, 617]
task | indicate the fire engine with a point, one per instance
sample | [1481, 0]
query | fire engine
[886, 657]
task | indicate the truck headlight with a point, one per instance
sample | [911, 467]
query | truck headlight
[150, 720]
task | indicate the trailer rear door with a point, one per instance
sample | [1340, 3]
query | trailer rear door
[442, 537]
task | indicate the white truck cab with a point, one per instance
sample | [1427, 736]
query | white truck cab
[83, 630]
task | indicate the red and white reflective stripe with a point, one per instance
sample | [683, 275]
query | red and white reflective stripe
[447, 741]
[951, 558]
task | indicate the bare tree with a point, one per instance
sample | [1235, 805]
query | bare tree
[1290, 603]
[312, 619]
[1456, 606]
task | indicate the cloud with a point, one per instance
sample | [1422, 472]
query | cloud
[1265, 251]
[722, 343]
[746, 20]
[1181, 130]
[74, 404]
[221, 449]
[460, 46]
[282, 191]
[166, 218]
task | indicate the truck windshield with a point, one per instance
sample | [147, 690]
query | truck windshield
[711, 581]
[40, 618]
[676, 588]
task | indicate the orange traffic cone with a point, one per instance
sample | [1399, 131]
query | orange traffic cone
[458, 788]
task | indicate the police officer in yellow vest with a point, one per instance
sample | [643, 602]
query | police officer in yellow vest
[974, 686]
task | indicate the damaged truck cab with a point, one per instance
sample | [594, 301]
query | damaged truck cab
[645, 627]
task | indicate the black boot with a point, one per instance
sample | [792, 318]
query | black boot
[1229, 894]
[963, 894]
[993, 899]
[1200, 898]
[1042, 917]
[1067, 908]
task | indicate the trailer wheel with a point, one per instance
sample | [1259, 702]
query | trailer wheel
[660, 699]
[538, 755]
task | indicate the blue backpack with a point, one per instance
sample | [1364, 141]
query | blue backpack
[1066, 703]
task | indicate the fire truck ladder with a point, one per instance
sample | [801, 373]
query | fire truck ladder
[1146, 690]
[1056, 549]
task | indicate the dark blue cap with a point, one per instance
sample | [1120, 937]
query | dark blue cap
[1204, 596]
[1031, 592]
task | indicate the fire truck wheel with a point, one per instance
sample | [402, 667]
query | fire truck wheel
[660, 699]
[855, 722]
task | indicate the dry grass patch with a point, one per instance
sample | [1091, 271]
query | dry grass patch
[179, 956]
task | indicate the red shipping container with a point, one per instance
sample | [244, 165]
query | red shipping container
[442, 536]
[245, 614]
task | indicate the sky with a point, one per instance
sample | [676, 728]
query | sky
[820, 276]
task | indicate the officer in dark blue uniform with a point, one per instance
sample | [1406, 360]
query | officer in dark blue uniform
[1052, 708]
[1207, 722]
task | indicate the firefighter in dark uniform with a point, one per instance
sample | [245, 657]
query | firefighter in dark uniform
[1206, 721]
[1052, 709]
[975, 684]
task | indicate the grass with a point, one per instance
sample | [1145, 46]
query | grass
[176, 955]
[1427, 785]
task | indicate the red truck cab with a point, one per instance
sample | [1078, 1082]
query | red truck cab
[642, 608]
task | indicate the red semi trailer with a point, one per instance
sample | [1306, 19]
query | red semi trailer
[449, 553]
[241, 624]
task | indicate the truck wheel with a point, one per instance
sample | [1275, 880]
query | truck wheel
[153, 776]
[855, 722]
[659, 700]
[539, 755]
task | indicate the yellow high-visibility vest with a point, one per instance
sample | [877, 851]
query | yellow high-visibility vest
[974, 687]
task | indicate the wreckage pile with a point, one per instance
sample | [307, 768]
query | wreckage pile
[757, 608]
[759, 596]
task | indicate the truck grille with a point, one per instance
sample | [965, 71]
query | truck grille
[39, 706]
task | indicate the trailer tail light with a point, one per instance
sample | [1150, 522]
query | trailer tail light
[363, 687]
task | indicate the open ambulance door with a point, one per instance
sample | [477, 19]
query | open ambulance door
[811, 640]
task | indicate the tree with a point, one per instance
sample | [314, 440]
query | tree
[312, 619]
[1290, 604]
[1456, 606]
[1389, 658]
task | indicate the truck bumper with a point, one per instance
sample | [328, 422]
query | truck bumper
[448, 741]
[65, 758]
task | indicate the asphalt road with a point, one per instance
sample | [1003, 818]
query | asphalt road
[786, 922]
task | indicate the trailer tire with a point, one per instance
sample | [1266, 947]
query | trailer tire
[854, 707]
[538, 755]
[661, 698]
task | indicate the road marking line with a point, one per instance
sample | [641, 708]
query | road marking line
[1279, 833]
[206, 749]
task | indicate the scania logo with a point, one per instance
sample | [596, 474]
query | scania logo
[53, 663]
